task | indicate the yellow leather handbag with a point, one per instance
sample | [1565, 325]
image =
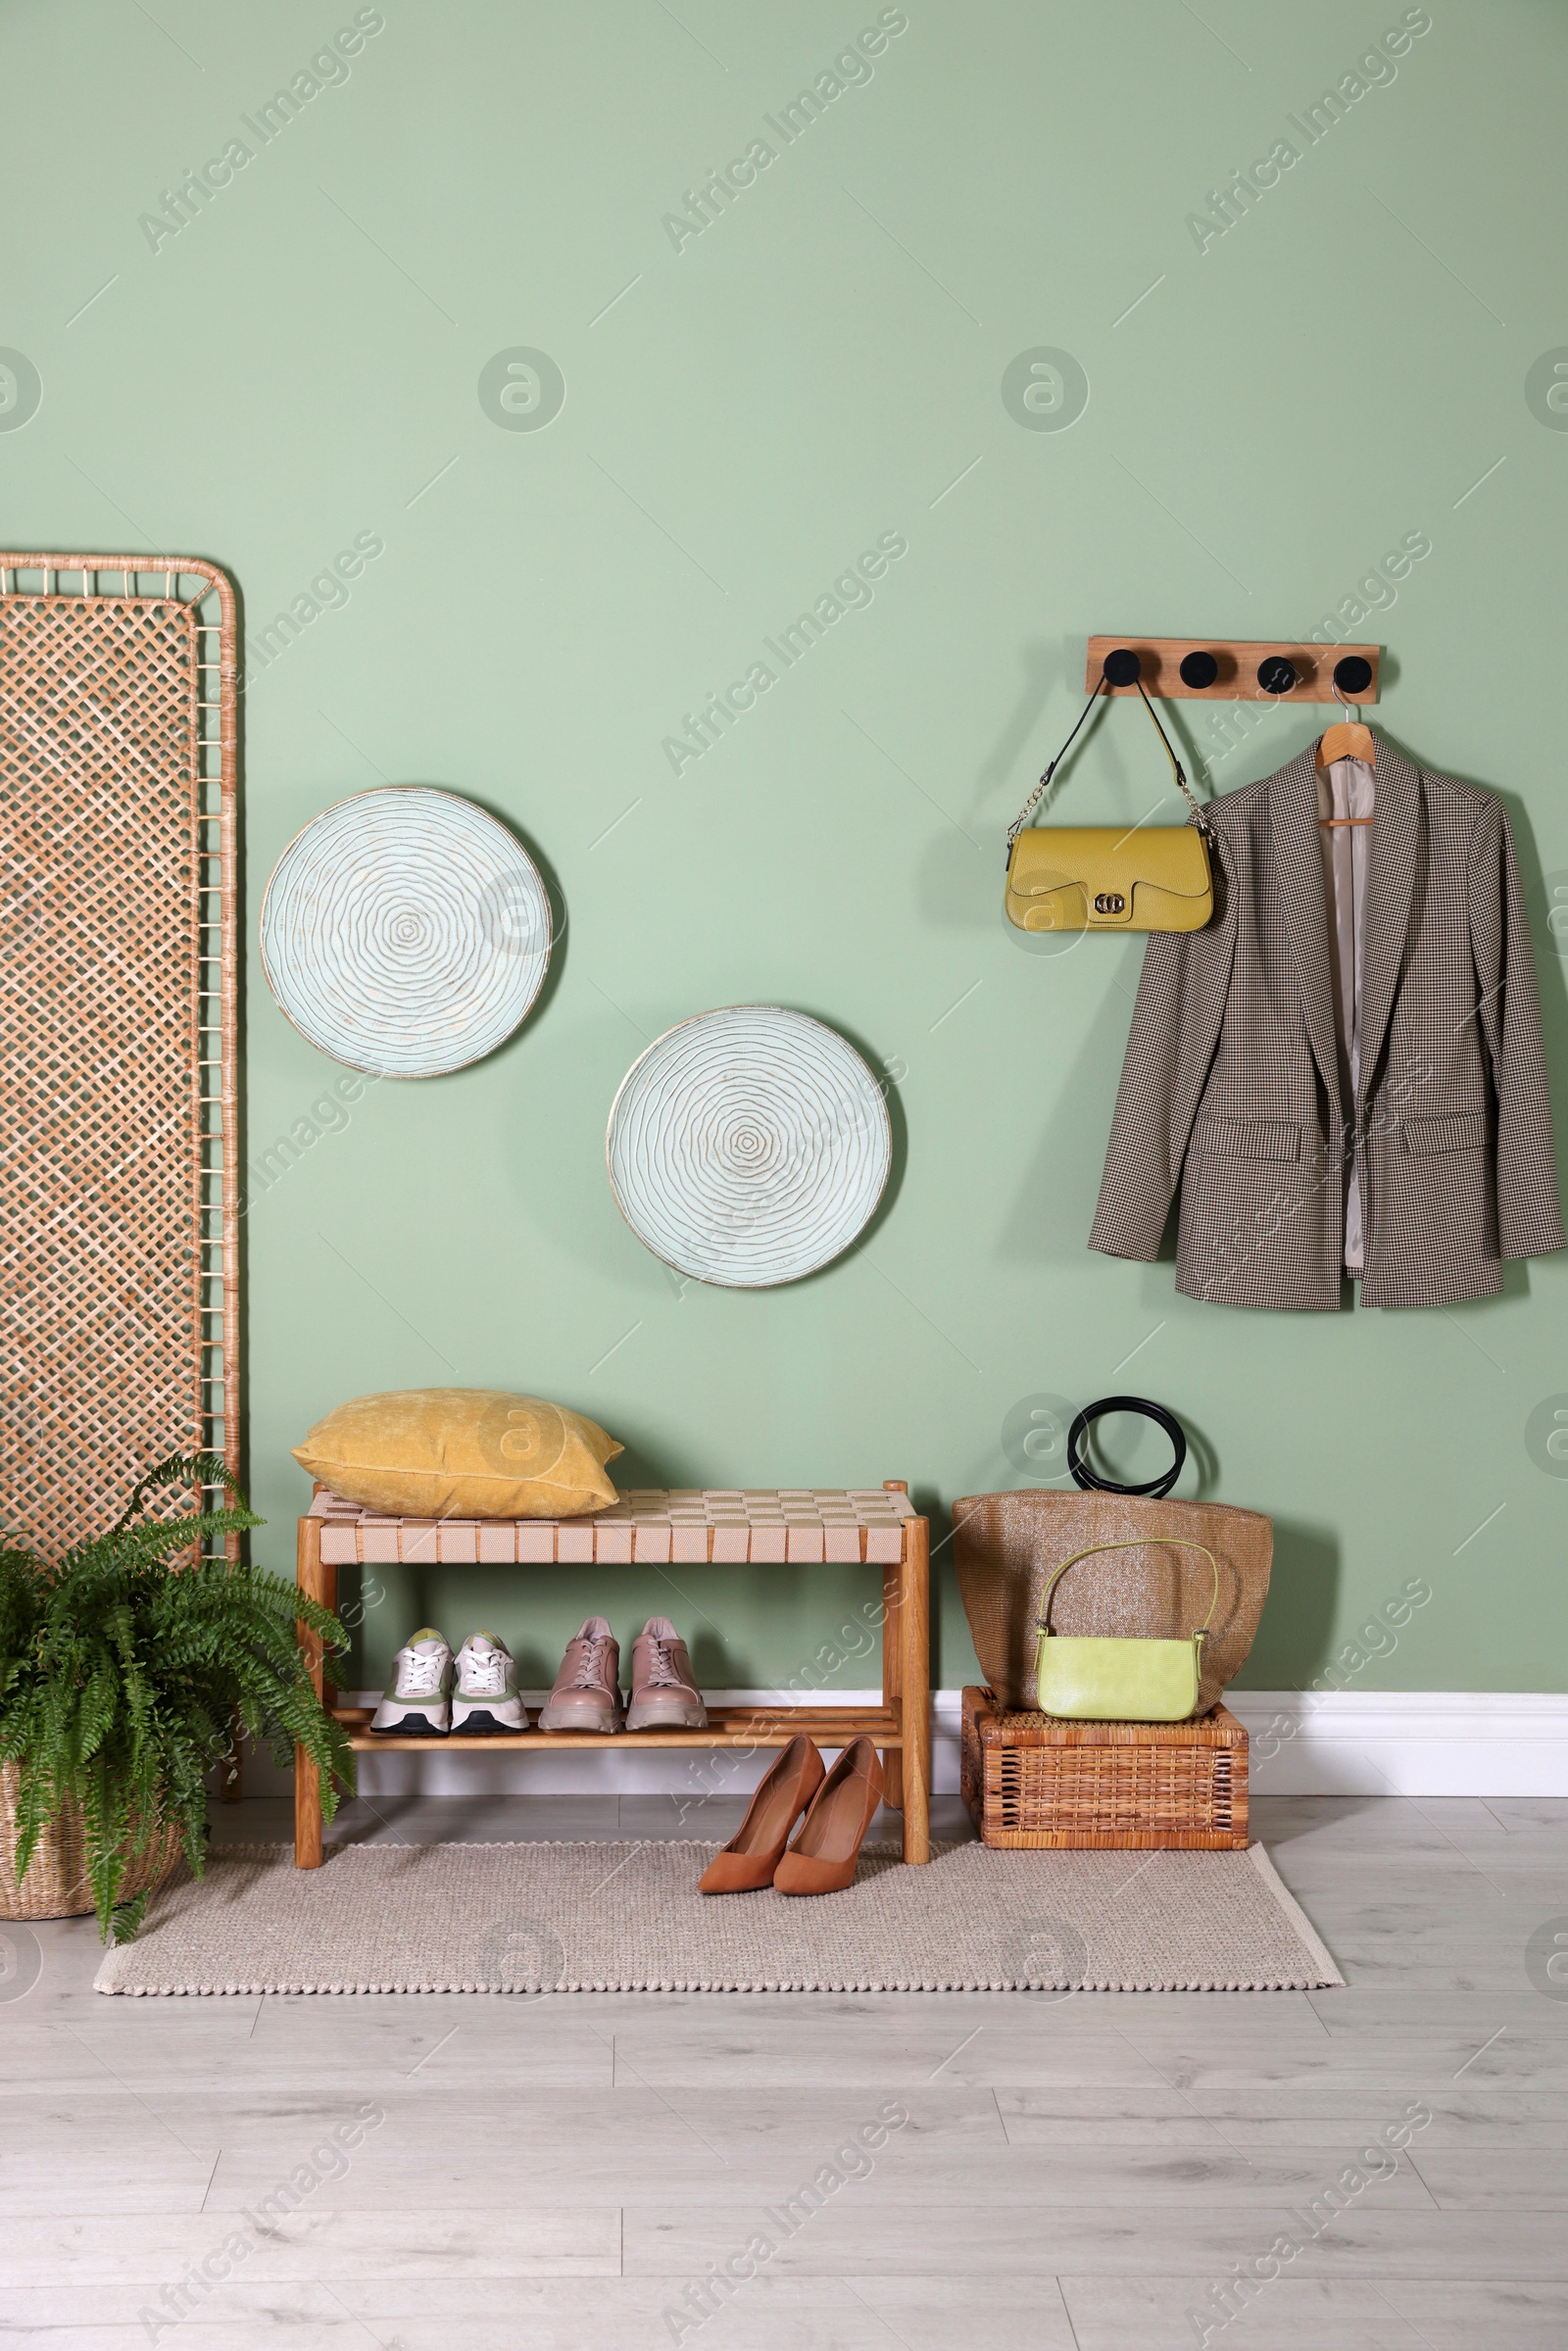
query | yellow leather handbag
[1107, 877]
[1106, 1681]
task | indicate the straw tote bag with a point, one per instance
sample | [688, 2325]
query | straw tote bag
[1006, 1546]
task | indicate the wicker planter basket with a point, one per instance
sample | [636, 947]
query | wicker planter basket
[56, 1885]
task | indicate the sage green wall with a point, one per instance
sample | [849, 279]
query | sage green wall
[1272, 410]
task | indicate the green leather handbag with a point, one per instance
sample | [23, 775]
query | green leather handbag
[1109, 1680]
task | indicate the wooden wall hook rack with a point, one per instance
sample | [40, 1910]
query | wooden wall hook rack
[1213, 669]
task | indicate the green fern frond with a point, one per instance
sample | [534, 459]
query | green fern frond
[199, 1472]
[122, 1668]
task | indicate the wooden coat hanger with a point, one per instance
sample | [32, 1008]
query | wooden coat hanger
[1349, 738]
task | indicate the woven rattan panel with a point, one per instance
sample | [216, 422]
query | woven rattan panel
[1108, 1792]
[117, 1032]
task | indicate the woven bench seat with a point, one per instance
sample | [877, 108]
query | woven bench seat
[729, 1526]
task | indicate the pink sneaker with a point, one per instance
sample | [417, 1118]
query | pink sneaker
[587, 1691]
[664, 1696]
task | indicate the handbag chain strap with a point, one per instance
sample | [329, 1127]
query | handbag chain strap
[1043, 785]
[1177, 1541]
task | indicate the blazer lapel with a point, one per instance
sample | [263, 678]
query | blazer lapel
[1298, 861]
[1389, 892]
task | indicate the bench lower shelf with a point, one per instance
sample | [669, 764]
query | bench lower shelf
[727, 1727]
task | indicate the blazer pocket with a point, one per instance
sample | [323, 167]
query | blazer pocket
[1245, 1139]
[1460, 1131]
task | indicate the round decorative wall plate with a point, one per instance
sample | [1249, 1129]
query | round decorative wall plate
[748, 1147]
[405, 932]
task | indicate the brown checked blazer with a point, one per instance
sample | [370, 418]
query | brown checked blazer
[1233, 1085]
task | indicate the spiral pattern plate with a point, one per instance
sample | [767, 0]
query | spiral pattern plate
[748, 1146]
[405, 932]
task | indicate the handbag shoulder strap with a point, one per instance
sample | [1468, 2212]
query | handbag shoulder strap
[1043, 785]
[1138, 1542]
[1092, 1481]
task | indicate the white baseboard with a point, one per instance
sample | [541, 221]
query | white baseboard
[1406, 1743]
[1367, 1742]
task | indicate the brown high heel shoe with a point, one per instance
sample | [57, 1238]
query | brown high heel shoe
[823, 1859]
[782, 1794]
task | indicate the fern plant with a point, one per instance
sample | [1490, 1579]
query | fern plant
[122, 1672]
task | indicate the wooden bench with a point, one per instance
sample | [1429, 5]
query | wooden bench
[848, 1527]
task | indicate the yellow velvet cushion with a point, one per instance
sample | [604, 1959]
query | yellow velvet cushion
[462, 1452]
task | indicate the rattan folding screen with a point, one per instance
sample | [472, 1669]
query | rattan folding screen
[118, 1145]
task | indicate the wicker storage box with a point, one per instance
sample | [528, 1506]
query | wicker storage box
[1030, 1780]
[56, 1884]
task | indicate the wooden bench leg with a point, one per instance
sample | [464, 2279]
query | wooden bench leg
[915, 1646]
[313, 1582]
[892, 1683]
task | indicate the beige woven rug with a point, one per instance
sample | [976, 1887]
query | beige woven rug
[628, 1917]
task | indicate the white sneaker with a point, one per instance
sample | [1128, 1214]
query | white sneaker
[418, 1700]
[485, 1699]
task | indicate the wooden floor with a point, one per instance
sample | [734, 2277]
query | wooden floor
[1074, 2174]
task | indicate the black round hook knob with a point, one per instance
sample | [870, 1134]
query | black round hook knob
[1123, 667]
[1276, 675]
[1199, 669]
[1352, 675]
